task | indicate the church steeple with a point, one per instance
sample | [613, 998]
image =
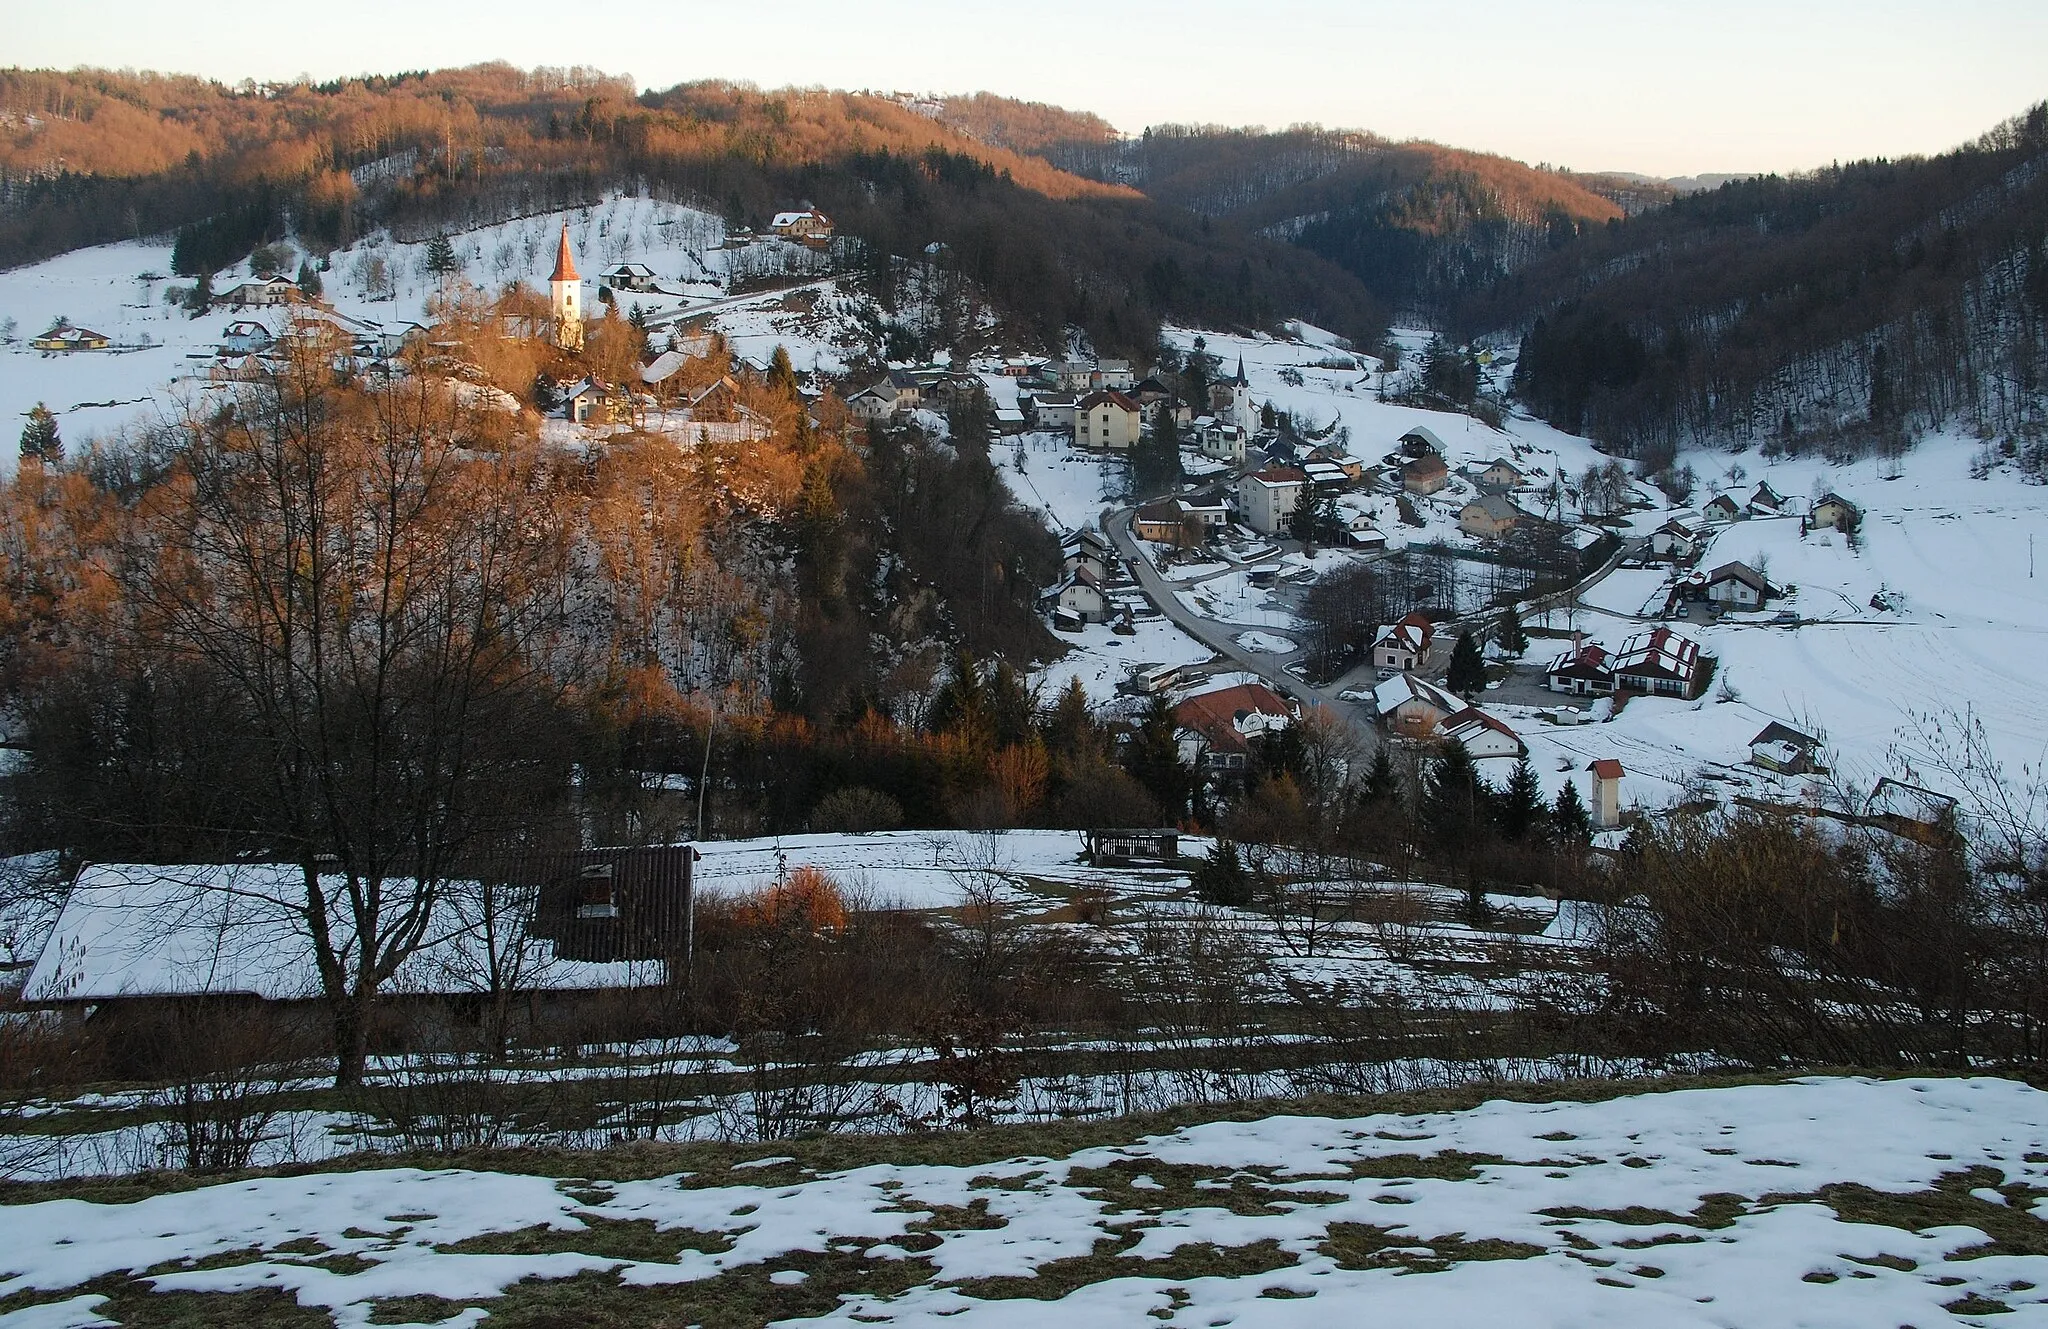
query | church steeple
[1240, 381]
[565, 297]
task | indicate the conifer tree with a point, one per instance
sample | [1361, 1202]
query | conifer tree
[1467, 673]
[1520, 806]
[781, 373]
[1570, 825]
[1153, 759]
[1382, 785]
[1514, 638]
[441, 255]
[39, 438]
[1221, 878]
[1454, 799]
[309, 280]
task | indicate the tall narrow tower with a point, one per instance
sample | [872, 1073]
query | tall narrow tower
[565, 297]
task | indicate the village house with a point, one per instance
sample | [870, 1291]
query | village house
[1325, 476]
[1425, 475]
[1738, 586]
[595, 402]
[1402, 645]
[628, 277]
[1833, 512]
[1089, 548]
[1421, 441]
[1219, 441]
[68, 338]
[1482, 735]
[1164, 522]
[1724, 508]
[1412, 708]
[1362, 534]
[809, 226]
[1783, 749]
[1500, 473]
[1107, 419]
[1489, 517]
[245, 336]
[272, 290]
[1676, 539]
[1113, 376]
[1075, 376]
[1021, 366]
[1268, 497]
[1049, 411]
[1218, 728]
[1583, 671]
[1659, 662]
[1080, 595]
[1766, 501]
[1353, 468]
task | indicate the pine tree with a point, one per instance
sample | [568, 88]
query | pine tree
[39, 438]
[781, 373]
[1153, 759]
[309, 280]
[1382, 785]
[1069, 728]
[200, 298]
[441, 255]
[1467, 673]
[546, 396]
[1570, 825]
[1455, 798]
[1520, 806]
[1221, 878]
[1514, 638]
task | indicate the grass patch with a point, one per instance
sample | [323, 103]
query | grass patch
[1363, 1246]
[1714, 1211]
[1246, 1192]
[1057, 1278]
[736, 1299]
[634, 1240]
[2013, 1229]
[416, 1310]
[133, 1304]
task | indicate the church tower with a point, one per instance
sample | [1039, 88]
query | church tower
[1244, 415]
[565, 298]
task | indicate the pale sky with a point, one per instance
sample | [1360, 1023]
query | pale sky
[1646, 85]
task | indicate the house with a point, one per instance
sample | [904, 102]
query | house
[1723, 507]
[1081, 595]
[1107, 419]
[1738, 586]
[1677, 539]
[1660, 662]
[874, 402]
[1606, 809]
[1833, 512]
[1425, 475]
[1353, 468]
[1412, 708]
[1364, 535]
[1783, 749]
[1021, 366]
[1107, 848]
[1076, 376]
[1220, 441]
[1209, 508]
[1113, 376]
[1908, 810]
[628, 277]
[275, 289]
[245, 336]
[239, 369]
[1164, 522]
[1218, 727]
[1583, 671]
[1421, 441]
[1324, 475]
[1500, 473]
[64, 337]
[1151, 391]
[594, 401]
[1481, 734]
[1766, 501]
[809, 226]
[1488, 517]
[1268, 497]
[1050, 410]
[1089, 548]
[1402, 645]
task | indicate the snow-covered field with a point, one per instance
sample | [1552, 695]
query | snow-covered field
[1826, 1202]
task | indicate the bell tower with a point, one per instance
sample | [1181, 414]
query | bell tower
[565, 297]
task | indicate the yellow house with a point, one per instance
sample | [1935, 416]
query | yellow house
[1107, 419]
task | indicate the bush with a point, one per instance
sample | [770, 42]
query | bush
[1221, 878]
[856, 810]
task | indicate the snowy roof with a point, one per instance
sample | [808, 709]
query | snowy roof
[1896, 798]
[1405, 687]
[1275, 476]
[131, 930]
[1468, 723]
[1781, 733]
[1741, 572]
[1658, 651]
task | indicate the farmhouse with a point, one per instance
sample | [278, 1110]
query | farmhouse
[628, 277]
[1218, 727]
[272, 290]
[1089, 548]
[68, 338]
[1677, 540]
[1049, 411]
[1268, 497]
[1425, 475]
[245, 336]
[810, 226]
[1722, 507]
[1783, 749]
[1489, 517]
[1584, 671]
[1413, 708]
[1107, 419]
[1402, 645]
[1081, 595]
[1766, 501]
[1421, 441]
[1660, 662]
[594, 401]
[1481, 734]
[1500, 473]
[1738, 586]
[1219, 441]
[1833, 512]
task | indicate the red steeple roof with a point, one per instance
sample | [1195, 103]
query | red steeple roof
[565, 263]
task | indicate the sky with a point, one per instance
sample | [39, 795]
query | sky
[1645, 85]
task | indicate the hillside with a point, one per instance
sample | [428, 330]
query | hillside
[92, 156]
[1851, 308]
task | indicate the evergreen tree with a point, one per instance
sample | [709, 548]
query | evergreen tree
[547, 397]
[1221, 878]
[1454, 802]
[1382, 785]
[441, 255]
[39, 438]
[971, 422]
[1301, 523]
[1467, 673]
[1570, 824]
[1069, 729]
[1520, 806]
[1153, 759]
[1514, 638]
[1155, 462]
[781, 373]
[200, 298]
[309, 280]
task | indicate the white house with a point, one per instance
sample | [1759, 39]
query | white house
[245, 336]
[1402, 645]
[1267, 498]
[1080, 594]
[1220, 441]
[628, 277]
[1107, 419]
[1481, 734]
[1052, 410]
[1738, 586]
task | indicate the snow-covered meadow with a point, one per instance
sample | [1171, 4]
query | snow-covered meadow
[1824, 1201]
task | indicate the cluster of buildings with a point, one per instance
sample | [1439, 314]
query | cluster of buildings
[1657, 662]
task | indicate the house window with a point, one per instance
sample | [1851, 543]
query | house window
[595, 898]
